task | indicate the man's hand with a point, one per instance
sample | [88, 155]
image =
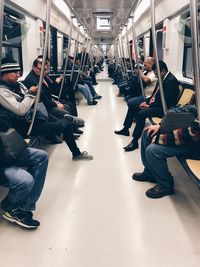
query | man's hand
[59, 105]
[34, 89]
[144, 105]
[152, 129]
[58, 80]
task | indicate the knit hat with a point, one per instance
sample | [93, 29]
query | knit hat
[9, 65]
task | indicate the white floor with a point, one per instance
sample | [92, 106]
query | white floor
[93, 214]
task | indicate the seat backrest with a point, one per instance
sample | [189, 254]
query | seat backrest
[186, 97]
[180, 89]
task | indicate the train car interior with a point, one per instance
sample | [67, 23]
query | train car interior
[99, 133]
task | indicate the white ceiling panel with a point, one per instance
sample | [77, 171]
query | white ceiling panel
[88, 10]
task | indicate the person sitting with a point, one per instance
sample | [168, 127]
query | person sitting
[149, 81]
[25, 185]
[156, 147]
[152, 107]
[54, 107]
[18, 106]
[85, 81]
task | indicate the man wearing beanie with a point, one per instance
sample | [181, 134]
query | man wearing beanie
[25, 186]
[18, 101]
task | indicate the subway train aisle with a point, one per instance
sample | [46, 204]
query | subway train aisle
[93, 214]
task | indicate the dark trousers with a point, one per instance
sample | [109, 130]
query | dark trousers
[58, 113]
[56, 127]
[53, 126]
[93, 76]
[140, 115]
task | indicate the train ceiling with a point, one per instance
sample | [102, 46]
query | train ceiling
[111, 12]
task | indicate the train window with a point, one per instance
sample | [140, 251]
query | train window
[11, 52]
[141, 48]
[187, 68]
[65, 46]
[53, 49]
[14, 29]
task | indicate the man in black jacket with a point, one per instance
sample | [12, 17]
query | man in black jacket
[17, 105]
[151, 107]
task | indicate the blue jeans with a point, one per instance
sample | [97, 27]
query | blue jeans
[135, 100]
[25, 186]
[85, 90]
[154, 159]
[91, 87]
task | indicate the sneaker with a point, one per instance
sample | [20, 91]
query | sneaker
[83, 156]
[22, 218]
[77, 120]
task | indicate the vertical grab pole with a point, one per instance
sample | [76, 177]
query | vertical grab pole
[129, 52]
[84, 55]
[67, 58]
[116, 52]
[92, 57]
[136, 56]
[153, 27]
[122, 60]
[80, 67]
[1, 29]
[48, 12]
[195, 51]
[89, 50]
[125, 65]
[75, 49]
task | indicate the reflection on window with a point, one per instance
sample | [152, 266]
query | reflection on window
[188, 66]
[11, 52]
[14, 29]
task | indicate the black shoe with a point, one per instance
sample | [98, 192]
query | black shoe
[159, 191]
[123, 132]
[21, 218]
[92, 103]
[95, 83]
[97, 97]
[78, 131]
[76, 136]
[141, 177]
[132, 146]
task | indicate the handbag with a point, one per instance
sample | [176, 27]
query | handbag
[12, 146]
[178, 117]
